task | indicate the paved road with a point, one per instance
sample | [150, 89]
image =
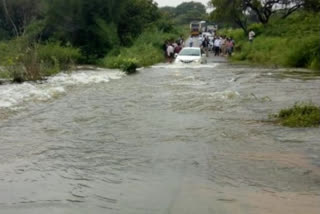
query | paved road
[211, 59]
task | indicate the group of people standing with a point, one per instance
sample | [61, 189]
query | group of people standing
[219, 45]
[170, 48]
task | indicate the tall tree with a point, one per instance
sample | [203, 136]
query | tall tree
[90, 25]
[230, 11]
[264, 9]
[137, 15]
[186, 12]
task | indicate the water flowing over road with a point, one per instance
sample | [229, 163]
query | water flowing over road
[170, 139]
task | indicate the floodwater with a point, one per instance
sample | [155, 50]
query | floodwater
[168, 140]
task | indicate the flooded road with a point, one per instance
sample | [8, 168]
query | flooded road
[170, 139]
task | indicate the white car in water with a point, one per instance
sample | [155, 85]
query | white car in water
[191, 55]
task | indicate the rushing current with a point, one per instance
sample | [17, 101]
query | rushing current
[170, 139]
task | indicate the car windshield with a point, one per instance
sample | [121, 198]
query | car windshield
[190, 52]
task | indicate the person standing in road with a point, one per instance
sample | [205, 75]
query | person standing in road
[191, 43]
[205, 46]
[170, 53]
[177, 49]
[251, 35]
[223, 45]
[217, 44]
[229, 45]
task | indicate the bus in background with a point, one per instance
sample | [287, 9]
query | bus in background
[203, 26]
[194, 29]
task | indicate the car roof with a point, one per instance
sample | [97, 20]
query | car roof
[196, 48]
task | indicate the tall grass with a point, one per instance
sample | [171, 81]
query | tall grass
[22, 60]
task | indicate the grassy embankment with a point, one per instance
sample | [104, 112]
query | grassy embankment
[291, 42]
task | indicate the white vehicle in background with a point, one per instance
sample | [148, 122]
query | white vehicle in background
[206, 34]
[191, 55]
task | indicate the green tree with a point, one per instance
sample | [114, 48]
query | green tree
[90, 25]
[185, 12]
[190, 11]
[230, 11]
[137, 16]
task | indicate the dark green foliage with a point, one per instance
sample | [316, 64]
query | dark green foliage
[137, 16]
[129, 65]
[89, 25]
[300, 115]
[16, 15]
[312, 5]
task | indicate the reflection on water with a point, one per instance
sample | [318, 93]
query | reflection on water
[171, 139]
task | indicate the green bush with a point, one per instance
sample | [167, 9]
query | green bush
[237, 34]
[145, 55]
[129, 65]
[300, 115]
[303, 51]
[54, 57]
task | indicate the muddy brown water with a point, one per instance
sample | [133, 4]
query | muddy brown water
[170, 139]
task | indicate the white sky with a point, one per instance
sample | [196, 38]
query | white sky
[175, 3]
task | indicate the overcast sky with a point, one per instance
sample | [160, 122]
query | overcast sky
[174, 3]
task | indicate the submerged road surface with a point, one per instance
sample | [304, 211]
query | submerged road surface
[168, 140]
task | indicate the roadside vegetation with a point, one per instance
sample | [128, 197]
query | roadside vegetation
[145, 51]
[300, 115]
[288, 37]
[293, 42]
[43, 37]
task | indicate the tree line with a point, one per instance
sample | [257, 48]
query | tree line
[94, 26]
[186, 12]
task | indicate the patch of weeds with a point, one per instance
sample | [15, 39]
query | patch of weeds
[300, 115]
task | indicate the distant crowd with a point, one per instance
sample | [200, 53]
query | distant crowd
[219, 45]
[209, 42]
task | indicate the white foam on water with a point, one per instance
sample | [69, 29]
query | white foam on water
[183, 66]
[225, 95]
[12, 95]
[189, 81]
